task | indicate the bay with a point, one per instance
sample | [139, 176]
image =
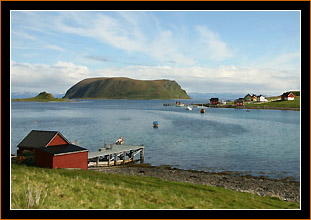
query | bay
[256, 142]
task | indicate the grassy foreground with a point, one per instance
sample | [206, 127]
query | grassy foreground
[34, 187]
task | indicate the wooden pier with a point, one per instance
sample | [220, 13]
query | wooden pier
[115, 155]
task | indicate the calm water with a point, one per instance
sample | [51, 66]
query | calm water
[259, 142]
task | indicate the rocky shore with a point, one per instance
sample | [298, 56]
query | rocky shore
[285, 190]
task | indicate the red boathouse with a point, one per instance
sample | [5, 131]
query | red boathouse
[239, 102]
[51, 149]
[286, 96]
[214, 101]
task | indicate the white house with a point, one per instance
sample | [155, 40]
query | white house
[261, 98]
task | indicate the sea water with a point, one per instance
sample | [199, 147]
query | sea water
[256, 142]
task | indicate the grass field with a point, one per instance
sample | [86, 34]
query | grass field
[42, 188]
[278, 103]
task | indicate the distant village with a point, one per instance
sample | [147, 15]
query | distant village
[248, 99]
[286, 96]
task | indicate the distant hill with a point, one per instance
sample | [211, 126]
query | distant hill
[125, 88]
[41, 97]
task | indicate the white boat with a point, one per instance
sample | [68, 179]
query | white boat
[179, 104]
[189, 108]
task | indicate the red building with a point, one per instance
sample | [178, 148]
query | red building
[62, 156]
[287, 96]
[51, 149]
[239, 101]
[214, 101]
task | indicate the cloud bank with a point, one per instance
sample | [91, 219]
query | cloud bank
[61, 76]
[198, 57]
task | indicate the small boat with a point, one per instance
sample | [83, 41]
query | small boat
[155, 124]
[202, 110]
[180, 104]
[189, 108]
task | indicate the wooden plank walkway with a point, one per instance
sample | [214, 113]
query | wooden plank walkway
[113, 152]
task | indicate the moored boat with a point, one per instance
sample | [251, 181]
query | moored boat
[179, 104]
[155, 124]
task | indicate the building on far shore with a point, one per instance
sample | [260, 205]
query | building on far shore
[214, 101]
[239, 101]
[286, 96]
[254, 98]
[248, 98]
[261, 98]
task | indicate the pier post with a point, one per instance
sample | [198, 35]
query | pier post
[97, 162]
[109, 157]
[124, 156]
[132, 155]
[142, 155]
[115, 158]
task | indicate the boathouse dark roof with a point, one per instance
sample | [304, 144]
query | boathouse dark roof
[286, 94]
[62, 149]
[36, 139]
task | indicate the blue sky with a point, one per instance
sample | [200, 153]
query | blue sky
[204, 51]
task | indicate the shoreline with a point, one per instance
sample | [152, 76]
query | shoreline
[258, 107]
[209, 106]
[282, 189]
[249, 107]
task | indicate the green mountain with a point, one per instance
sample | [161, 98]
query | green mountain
[125, 88]
[41, 97]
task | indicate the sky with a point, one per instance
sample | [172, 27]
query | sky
[203, 51]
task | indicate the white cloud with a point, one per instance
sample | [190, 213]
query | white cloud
[22, 40]
[58, 78]
[26, 77]
[119, 33]
[146, 34]
[280, 60]
[215, 48]
[219, 79]
[165, 47]
[125, 33]
[140, 32]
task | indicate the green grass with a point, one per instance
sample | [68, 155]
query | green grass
[278, 103]
[34, 187]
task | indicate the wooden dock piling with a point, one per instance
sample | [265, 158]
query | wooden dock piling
[115, 159]
[142, 158]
